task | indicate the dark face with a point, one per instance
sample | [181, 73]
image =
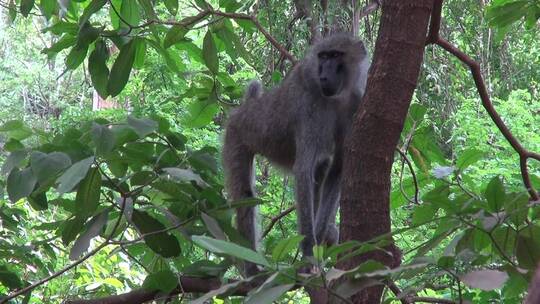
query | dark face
[331, 72]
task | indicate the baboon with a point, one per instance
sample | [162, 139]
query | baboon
[300, 126]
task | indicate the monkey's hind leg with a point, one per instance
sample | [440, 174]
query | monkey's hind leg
[239, 183]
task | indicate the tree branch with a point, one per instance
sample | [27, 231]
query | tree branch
[524, 154]
[186, 285]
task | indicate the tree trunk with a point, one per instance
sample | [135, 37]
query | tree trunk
[365, 200]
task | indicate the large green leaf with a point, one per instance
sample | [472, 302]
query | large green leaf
[47, 166]
[93, 228]
[99, 72]
[142, 126]
[469, 157]
[74, 175]
[164, 280]
[163, 243]
[285, 247]
[88, 194]
[48, 7]
[26, 7]
[269, 295]
[63, 43]
[495, 194]
[224, 247]
[130, 13]
[210, 53]
[76, 56]
[20, 183]
[9, 278]
[103, 138]
[93, 7]
[121, 68]
[201, 112]
[172, 6]
[175, 34]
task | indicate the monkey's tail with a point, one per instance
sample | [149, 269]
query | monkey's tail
[238, 167]
[239, 183]
[254, 90]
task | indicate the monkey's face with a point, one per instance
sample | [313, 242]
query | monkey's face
[331, 72]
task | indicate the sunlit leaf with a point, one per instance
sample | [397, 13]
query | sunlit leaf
[219, 246]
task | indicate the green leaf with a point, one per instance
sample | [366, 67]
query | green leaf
[12, 145]
[26, 7]
[103, 138]
[48, 7]
[528, 248]
[63, 43]
[162, 243]
[92, 8]
[121, 68]
[74, 175]
[47, 166]
[184, 175]
[9, 278]
[516, 205]
[495, 194]
[12, 11]
[507, 13]
[213, 226]
[423, 214]
[70, 229]
[148, 8]
[172, 6]
[20, 183]
[94, 227]
[201, 113]
[175, 34]
[224, 247]
[99, 72]
[142, 126]
[14, 160]
[210, 53]
[38, 201]
[130, 13]
[76, 56]
[88, 194]
[140, 54]
[285, 247]
[269, 295]
[469, 157]
[62, 27]
[164, 280]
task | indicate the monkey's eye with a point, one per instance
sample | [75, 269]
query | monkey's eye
[339, 68]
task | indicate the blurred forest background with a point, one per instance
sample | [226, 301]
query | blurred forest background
[118, 106]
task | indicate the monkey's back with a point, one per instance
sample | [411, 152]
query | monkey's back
[271, 118]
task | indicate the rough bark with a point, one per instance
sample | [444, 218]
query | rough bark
[365, 203]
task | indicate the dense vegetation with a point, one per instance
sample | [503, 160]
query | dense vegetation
[111, 113]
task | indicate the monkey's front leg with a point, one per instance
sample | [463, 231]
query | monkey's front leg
[305, 194]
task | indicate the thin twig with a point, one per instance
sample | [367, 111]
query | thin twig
[276, 218]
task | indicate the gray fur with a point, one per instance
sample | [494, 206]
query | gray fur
[298, 128]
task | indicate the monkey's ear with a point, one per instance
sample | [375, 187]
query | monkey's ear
[254, 90]
[359, 47]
